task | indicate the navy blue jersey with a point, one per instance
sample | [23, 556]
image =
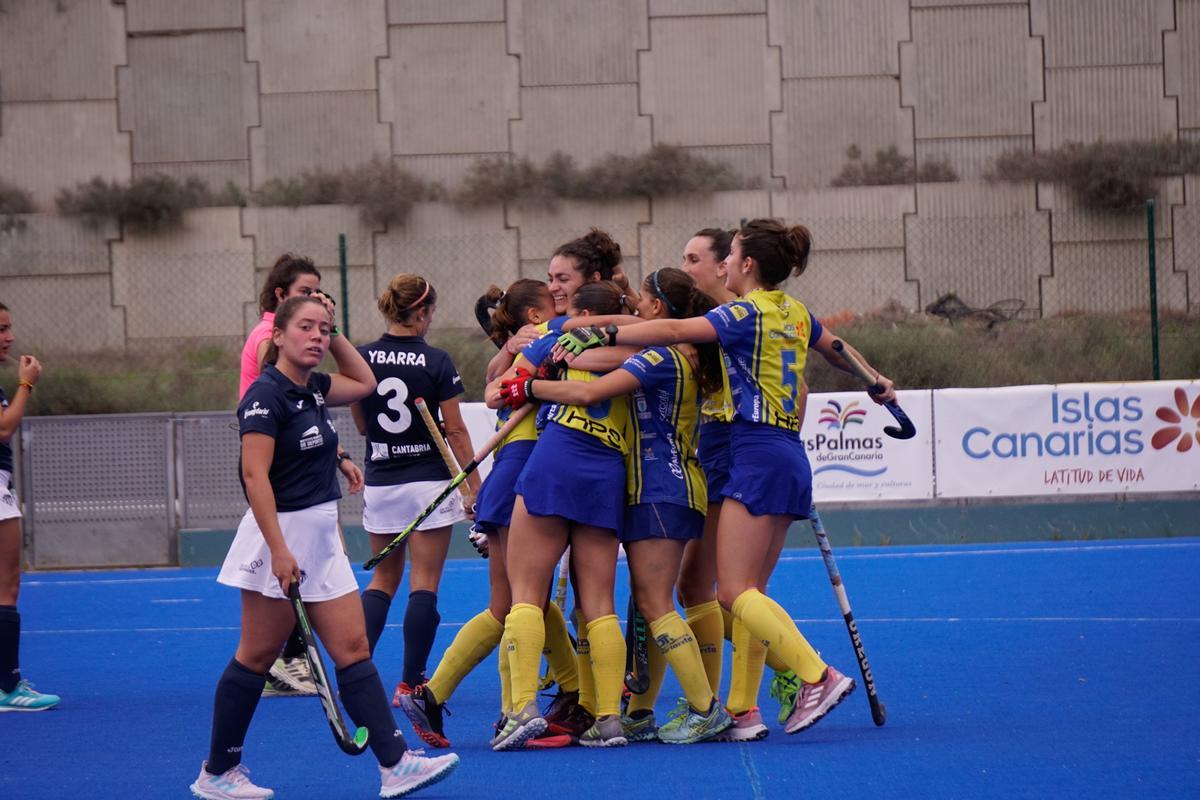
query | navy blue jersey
[399, 446]
[6, 454]
[304, 468]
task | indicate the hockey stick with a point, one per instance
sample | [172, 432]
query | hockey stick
[560, 600]
[455, 482]
[878, 710]
[906, 429]
[637, 659]
[351, 744]
[440, 442]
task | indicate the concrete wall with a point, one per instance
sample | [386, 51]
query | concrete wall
[240, 91]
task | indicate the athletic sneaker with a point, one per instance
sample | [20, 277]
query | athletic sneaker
[817, 699]
[607, 731]
[414, 771]
[564, 715]
[425, 713]
[519, 728]
[640, 726]
[688, 726]
[784, 688]
[550, 741]
[232, 784]
[24, 698]
[402, 689]
[747, 727]
[289, 677]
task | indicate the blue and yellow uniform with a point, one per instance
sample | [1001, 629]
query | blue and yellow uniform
[712, 444]
[764, 339]
[666, 487]
[577, 468]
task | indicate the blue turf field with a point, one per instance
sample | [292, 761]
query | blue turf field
[1029, 670]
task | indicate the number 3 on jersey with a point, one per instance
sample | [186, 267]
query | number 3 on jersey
[791, 381]
[404, 416]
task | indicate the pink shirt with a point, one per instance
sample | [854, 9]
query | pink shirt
[250, 368]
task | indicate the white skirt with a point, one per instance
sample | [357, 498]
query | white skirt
[312, 536]
[391, 509]
[10, 506]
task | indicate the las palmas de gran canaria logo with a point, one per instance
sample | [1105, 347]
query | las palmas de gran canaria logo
[1183, 424]
[833, 451]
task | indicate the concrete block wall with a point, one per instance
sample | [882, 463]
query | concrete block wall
[246, 91]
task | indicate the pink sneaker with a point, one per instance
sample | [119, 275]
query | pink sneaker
[747, 727]
[816, 699]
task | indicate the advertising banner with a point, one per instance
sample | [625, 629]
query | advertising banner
[853, 459]
[1068, 439]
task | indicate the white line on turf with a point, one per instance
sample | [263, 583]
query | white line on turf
[751, 772]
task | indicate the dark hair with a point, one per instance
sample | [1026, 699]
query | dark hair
[404, 296]
[595, 251]
[283, 315]
[779, 251]
[599, 297]
[678, 292]
[511, 307]
[721, 240]
[283, 274]
[4, 307]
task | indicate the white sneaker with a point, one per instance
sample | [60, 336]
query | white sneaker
[414, 771]
[233, 784]
[292, 676]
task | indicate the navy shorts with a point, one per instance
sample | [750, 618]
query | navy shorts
[713, 451]
[494, 503]
[662, 521]
[769, 471]
[573, 475]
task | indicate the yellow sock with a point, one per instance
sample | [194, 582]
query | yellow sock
[560, 655]
[583, 658]
[773, 659]
[674, 638]
[752, 610]
[505, 680]
[474, 641]
[608, 663]
[745, 676]
[706, 625]
[524, 635]
[658, 669]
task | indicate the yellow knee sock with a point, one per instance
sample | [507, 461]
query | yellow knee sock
[745, 676]
[474, 641]
[560, 655]
[583, 658]
[506, 704]
[752, 610]
[773, 659]
[675, 640]
[524, 635]
[658, 669]
[706, 625]
[608, 663]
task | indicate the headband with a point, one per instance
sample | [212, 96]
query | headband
[658, 291]
[420, 299]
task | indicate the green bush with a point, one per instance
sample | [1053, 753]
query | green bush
[13, 201]
[889, 168]
[383, 192]
[662, 171]
[147, 204]
[1108, 176]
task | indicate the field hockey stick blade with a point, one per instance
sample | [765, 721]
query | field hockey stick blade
[491, 444]
[878, 709]
[637, 659]
[906, 429]
[355, 743]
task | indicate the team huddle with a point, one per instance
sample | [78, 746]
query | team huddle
[662, 419]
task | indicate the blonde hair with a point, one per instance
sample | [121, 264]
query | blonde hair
[404, 296]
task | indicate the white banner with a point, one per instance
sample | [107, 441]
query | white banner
[1068, 439]
[481, 424]
[853, 459]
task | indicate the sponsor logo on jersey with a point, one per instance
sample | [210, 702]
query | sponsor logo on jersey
[653, 357]
[311, 438]
[379, 451]
[256, 411]
[299, 405]
[739, 312]
[318, 398]
[397, 357]
[252, 567]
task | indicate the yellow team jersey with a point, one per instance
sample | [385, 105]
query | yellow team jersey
[526, 430]
[764, 340]
[718, 406]
[662, 466]
[608, 421]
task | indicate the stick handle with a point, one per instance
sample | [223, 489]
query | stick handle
[440, 443]
[872, 383]
[906, 429]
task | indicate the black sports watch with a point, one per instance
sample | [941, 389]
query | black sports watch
[344, 457]
[611, 330]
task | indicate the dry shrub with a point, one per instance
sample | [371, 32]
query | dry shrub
[147, 204]
[889, 168]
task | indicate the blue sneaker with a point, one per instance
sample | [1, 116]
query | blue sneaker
[688, 726]
[24, 698]
[640, 726]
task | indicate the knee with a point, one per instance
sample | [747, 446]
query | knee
[727, 595]
[692, 592]
[350, 651]
[256, 658]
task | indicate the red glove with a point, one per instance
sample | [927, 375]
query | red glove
[550, 370]
[518, 391]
